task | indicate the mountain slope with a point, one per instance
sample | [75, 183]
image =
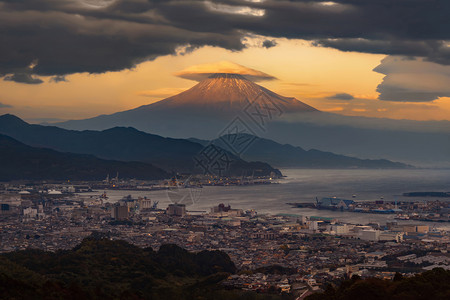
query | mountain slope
[229, 94]
[105, 269]
[125, 144]
[205, 110]
[19, 161]
[206, 107]
[289, 156]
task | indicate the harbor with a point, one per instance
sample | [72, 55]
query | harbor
[421, 210]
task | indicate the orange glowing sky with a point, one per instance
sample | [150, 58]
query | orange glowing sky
[309, 73]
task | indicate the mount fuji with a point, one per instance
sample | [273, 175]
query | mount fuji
[224, 104]
[201, 111]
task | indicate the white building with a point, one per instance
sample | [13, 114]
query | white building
[370, 235]
[391, 236]
[314, 225]
[338, 229]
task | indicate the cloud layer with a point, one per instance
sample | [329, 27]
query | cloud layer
[95, 36]
[200, 72]
[342, 96]
[412, 80]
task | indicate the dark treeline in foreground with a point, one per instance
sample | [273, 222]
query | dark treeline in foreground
[434, 284]
[104, 269]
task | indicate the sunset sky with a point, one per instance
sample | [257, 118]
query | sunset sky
[72, 59]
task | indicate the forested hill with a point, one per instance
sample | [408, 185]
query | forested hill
[19, 161]
[434, 284]
[104, 269]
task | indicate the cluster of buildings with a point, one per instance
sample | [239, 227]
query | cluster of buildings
[308, 252]
[430, 210]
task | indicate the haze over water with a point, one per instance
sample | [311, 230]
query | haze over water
[304, 185]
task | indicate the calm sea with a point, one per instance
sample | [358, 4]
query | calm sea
[303, 185]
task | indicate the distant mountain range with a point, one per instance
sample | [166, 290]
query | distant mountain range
[288, 156]
[177, 155]
[208, 109]
[129, 144]
[21, 162]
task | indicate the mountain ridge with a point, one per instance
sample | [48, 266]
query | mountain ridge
[127, 143]
[124, 144]
[421, 143]
[22, 162]
[288, 156]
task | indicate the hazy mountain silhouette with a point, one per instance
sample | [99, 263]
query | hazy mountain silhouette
[206, 110]
[19, 161]
[126, 144]
[282, 156]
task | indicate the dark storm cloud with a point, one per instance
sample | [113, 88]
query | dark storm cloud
[269, 44]
[342, 96]
[58, 78]
[68, 37]
[95, 36]
[22, 78]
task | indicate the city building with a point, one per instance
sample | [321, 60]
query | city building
[120, 212]
[370, 235]
[176, 210]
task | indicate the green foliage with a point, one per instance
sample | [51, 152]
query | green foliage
[398, 277]
[104, 269]
[434, 284]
